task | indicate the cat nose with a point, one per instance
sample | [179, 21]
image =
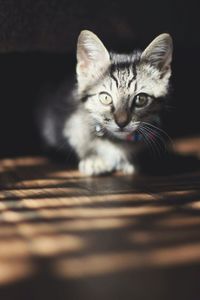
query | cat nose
[122, 118]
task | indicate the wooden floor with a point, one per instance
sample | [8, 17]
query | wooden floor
[66, 236]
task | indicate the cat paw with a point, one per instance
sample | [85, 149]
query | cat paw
[94, 166]
[126, 168]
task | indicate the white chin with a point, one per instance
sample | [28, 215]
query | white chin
[121, 135]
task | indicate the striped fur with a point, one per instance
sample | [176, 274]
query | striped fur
[98, 131]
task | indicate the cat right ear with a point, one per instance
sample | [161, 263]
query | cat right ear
[159, 52]
[92, 57]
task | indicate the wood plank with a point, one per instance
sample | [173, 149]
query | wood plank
[67, 236]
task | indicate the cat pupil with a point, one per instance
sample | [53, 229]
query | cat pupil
[141, 100]
[105, 99]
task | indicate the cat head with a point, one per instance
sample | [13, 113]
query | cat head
[120, 91]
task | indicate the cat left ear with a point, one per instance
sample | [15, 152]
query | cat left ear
[159, 52]
[92, 56]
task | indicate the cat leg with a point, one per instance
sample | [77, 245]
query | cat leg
[108, 158]
[95, 165]
[126, 167]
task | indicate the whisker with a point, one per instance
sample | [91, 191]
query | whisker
[158, 139]
[154, 134]
[154, 142]
[160, 130]
[148, 142]
[144, 138]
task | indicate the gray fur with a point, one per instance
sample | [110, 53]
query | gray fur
[98, 132]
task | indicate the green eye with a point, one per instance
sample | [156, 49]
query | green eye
[141, 100]
[105, 98]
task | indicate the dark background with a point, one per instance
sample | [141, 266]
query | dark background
[38, 42]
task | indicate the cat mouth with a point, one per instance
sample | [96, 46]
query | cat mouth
[123, 130]
[123, 134]
[126, 134]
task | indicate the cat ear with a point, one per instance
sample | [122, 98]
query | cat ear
[92, 57]
[159, 52]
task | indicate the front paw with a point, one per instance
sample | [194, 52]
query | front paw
[94, 165]
[126, 168]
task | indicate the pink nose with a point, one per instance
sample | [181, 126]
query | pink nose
[122, 118]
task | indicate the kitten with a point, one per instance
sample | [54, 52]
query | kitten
[115, 97]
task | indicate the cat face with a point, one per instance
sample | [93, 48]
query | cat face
[121, 91]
